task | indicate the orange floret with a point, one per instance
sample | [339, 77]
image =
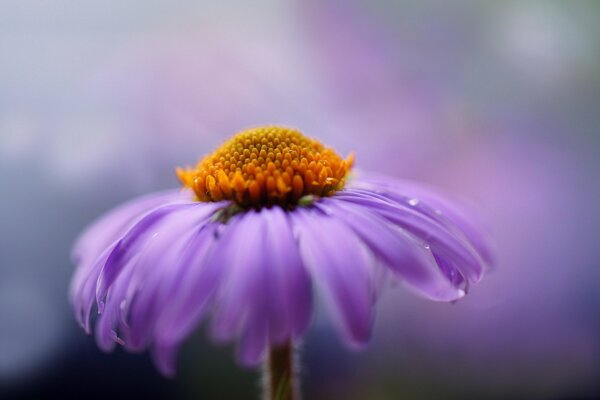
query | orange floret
[266, 166]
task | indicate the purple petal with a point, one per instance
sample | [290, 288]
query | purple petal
[266, 294]
[107, 324]
[452, 273]
[242, 260]
[398, 250]
[131, 310]
[115, 223]
[165, 357]
[83, 290]
[130, 245]
[429, 230]
[97, 242]
[289, 286]
[159, 269]
[200, 269]
[339, 262]
[429, 201]
[254, 339]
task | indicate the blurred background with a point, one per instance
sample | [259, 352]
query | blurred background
[497, 103]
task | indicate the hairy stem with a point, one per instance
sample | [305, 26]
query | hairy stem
[279, 375]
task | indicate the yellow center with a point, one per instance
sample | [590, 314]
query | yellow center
[266, 166]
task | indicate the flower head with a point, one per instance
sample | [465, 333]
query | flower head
[266, 166]
[158, 266]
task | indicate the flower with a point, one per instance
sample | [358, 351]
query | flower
[263, 225]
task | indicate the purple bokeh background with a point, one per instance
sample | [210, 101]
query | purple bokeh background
[496, 103]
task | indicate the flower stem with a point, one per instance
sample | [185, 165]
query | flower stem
[279, 376]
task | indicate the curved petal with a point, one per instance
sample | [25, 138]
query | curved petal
[241, 305]
[266, 294]
[129, 246]
[340, 264]
[431, 231]
[289, 285]
[200, 269]
[95, 245]
[116, 222]
[83, 289]
[398, 250]
[254, 336]
[429, 201]
[132, 311]
[159, 270]
[107, 324]
[449, 269]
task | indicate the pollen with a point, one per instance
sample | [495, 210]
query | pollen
[267, 166]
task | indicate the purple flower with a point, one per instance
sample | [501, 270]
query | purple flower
[273, 220]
